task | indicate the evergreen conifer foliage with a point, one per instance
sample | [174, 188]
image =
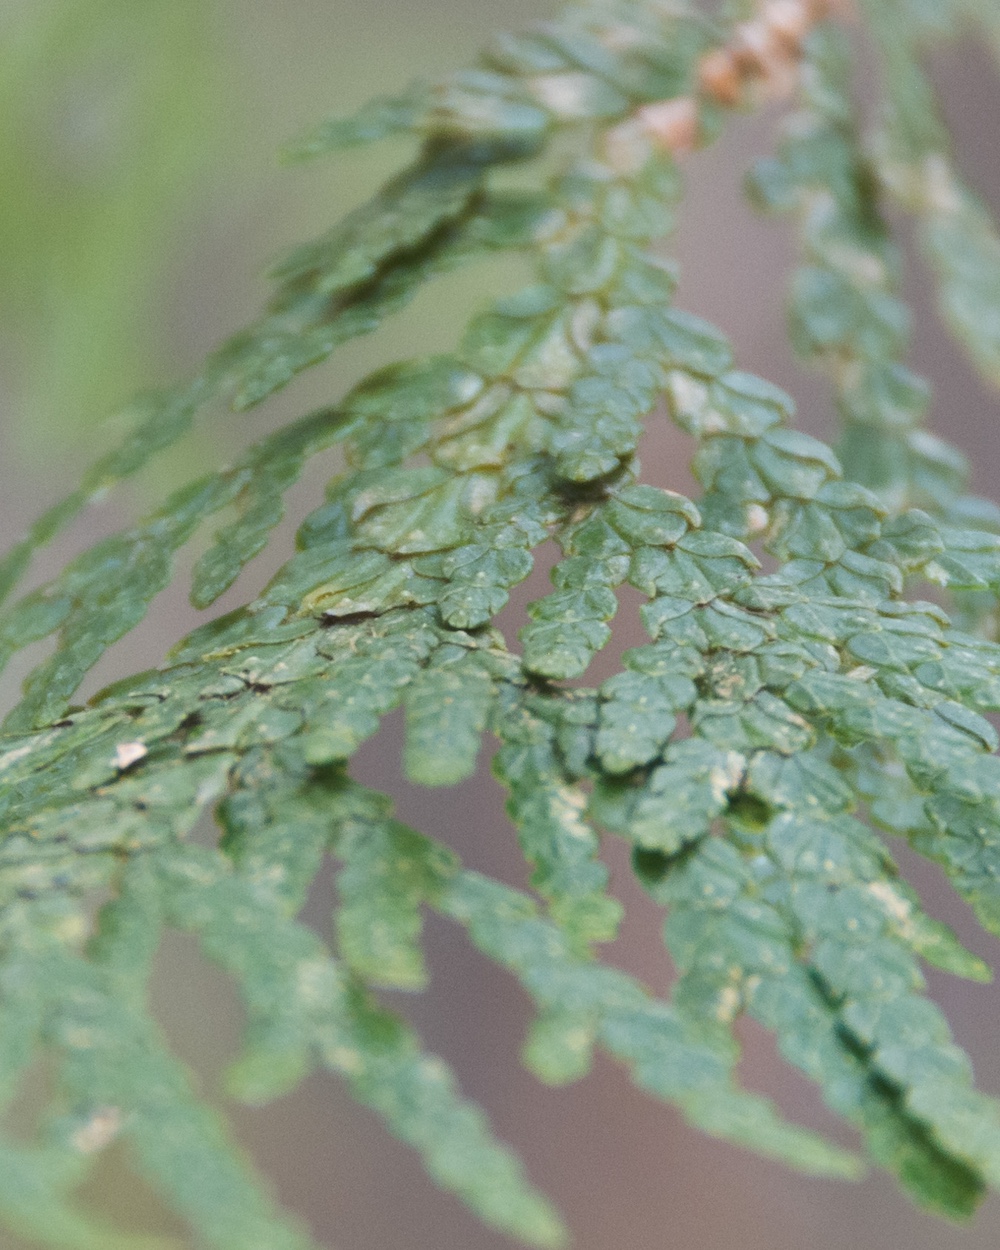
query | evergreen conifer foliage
[752, 752]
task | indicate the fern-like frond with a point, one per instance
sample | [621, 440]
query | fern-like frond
[956, 229]
[745, 751]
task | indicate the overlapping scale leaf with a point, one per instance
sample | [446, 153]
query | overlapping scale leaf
[732, 749]
[569, 625]
[665, 1056]
[846, 311]
[766, 481]
[947, 751]
[376, 119]
[389, 873]
[115, 1082]
[300, 332]
[447, 709]
[957, 231]
[290, 985]
[263, 477]
[547, 809]
[801, 929]
[480, 574]
[107, 591]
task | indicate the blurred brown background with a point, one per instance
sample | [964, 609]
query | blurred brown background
[208, 211]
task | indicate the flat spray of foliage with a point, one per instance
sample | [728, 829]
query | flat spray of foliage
[749, 752]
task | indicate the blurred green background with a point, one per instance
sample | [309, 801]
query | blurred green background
[141, 201]
[140, 191]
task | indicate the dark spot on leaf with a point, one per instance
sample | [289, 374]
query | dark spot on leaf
[749, 810]
[650, 866]
[350, 618]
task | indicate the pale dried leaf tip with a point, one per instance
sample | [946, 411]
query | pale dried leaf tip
[672, 125]
[757, 519]
[788, 19]
[764, 52]
[719, 76]
[129, 753]
[99, 1131]
[667, 126]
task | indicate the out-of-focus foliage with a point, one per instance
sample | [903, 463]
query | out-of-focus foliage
[110, 110]
[749, 752]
